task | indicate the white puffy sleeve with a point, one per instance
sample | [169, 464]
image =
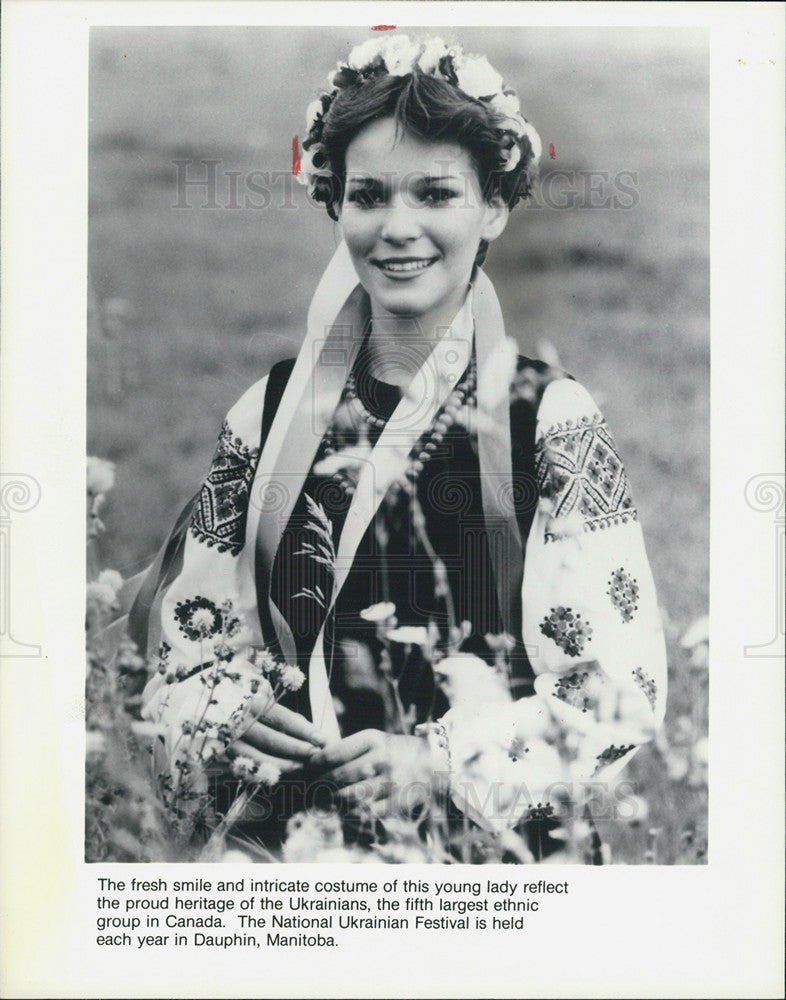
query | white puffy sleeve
[214, 566]
[591, 627]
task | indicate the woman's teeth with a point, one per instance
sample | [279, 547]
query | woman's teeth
[408, 265]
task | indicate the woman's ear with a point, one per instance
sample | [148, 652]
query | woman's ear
[496, 219]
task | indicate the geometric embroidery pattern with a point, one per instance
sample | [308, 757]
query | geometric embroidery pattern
[567, 630]
[647, 685]
[624, 592]
[578, 468]
[220, 512]
[610, 754]
[571, 690]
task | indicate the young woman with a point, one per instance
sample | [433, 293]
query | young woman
[410, 498]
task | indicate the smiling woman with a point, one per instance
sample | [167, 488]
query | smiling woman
[413, 217]
[413, 586]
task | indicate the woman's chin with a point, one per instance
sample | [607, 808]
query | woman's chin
[405, 300]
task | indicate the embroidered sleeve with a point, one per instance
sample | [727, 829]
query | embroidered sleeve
[219, 516]
[591, 626]
[216, 568]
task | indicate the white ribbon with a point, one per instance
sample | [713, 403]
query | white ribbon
[336, 324]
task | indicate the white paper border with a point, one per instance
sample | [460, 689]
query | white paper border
[714, 931]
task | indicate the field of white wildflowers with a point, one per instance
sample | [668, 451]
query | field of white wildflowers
[151, 786]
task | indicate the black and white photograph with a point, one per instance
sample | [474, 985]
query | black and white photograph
[448, 318]
[391, 496]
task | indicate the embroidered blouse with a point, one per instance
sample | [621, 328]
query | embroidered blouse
[590, 683]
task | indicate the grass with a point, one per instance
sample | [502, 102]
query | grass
[210, 298]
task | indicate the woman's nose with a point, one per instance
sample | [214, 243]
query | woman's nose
[400, 223]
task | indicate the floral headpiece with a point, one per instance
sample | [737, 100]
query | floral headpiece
[399, 55]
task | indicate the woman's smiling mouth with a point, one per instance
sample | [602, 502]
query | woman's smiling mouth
[404, 265]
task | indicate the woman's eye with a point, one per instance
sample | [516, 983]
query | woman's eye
[438, 196]
[366, 197]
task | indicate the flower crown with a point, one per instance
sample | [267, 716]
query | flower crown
[399, 55]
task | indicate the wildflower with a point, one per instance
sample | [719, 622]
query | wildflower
[697, 633]
[677, 766]
[101, 598]
[291, 678]
[128, 659]
[100, 475]
[234, 856]
[409, 635]
[503, 642]
[467, 679]
[223, 651]
[379, 612]
[95, 742]
[636, 810]
[700, 751]
[244, 768]
[224, 733]
[309, 833]
[267, 773]
[111, 578]
[263, 660]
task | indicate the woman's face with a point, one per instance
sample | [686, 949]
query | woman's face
[413, 217]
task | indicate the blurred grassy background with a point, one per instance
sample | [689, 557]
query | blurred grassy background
[190, 306]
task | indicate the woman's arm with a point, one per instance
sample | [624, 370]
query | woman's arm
[204, 621]
[592, 630]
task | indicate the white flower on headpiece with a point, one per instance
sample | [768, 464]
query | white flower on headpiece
[434, 50]
[308, 172]
[363, 55]
[401, 54]
[476, 76]
[313, 111]
[534, 141]
[506, 104]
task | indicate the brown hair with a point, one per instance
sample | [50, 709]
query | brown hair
[428, 108]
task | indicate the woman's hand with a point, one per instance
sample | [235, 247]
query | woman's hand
[279, 736]
[372, 765]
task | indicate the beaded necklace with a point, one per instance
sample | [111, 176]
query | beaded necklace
[462, 395]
